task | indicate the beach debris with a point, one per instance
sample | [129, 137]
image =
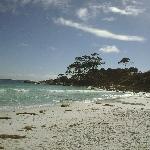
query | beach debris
[20, 130]
[53, 126]
[78, 110]
[43, 126]
[133, 103]
[98, 102]
[27, 128]
[75, 124]
[42, 111]
[72, 125]
[107, 105]
[94, 109]
[54, 136]
[65, 105]
[26, 113]
[5, 118]
[68, 110]
[1, 147]
[6, 136]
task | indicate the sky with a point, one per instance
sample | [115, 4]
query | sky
[40, 38]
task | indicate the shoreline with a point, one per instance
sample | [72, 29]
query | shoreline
[126, 94]
[120, 124]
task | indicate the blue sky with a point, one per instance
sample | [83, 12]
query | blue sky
[40, 38]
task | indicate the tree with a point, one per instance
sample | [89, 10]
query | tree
[62, 79]
[133, 69]
[83, 65]
[124, 61]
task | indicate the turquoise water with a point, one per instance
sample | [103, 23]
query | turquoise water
[21, 94]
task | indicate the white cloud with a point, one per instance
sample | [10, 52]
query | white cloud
[24, 44]
[131, 2]
[98, 32]
[12, 5]
[24, 2]
[109, 49]
[82, 13]
[48, 3]
[5, 7]
[52, 48]
[129, 10]
[109, 19]
[43, 2]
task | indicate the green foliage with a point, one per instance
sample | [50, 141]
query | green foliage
[83, 65]
[84, 71]
[124, 61]
[62, 79]
[133, 69]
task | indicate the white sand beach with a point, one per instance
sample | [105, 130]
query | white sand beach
[121, 124]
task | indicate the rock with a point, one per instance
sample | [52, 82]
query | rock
[107, 105]
[65, 105]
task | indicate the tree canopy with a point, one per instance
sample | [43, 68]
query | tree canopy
[124, 61]
[86, 71]
[82, 65]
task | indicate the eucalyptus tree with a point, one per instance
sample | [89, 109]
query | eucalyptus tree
[124, 61]
[83, 65]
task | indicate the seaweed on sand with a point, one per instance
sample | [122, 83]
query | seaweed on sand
[6, 136]
[5, 118]
[27, 128]
[26, 113]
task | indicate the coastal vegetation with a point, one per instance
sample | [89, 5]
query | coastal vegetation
[87, 70]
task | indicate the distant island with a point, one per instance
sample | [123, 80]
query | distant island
[10, 81]
[17, 81]
[84, 71]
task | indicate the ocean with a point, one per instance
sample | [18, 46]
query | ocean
[19, 94]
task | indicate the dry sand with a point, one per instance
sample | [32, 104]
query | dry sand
[122, 124]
